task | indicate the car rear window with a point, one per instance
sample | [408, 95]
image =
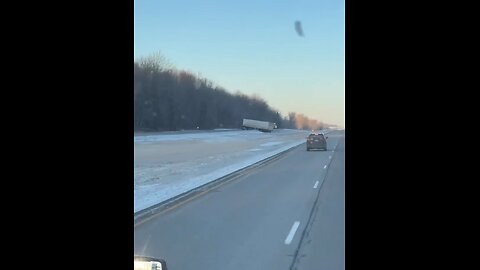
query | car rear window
[315, 136]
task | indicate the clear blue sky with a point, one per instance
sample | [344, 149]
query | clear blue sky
[251, 46]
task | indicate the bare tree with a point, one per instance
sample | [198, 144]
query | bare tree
[156, 62]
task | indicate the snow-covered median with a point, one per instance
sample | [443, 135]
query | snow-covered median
[169, 165]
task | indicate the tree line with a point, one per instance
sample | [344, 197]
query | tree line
[169, 99]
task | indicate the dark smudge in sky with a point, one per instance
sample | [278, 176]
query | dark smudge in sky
[298, 28]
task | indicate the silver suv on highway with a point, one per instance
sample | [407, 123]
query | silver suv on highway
[317, 141]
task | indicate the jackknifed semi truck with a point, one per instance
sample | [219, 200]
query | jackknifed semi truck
[259, 125]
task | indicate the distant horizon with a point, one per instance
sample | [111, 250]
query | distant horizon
[234, 92]
[252, 47]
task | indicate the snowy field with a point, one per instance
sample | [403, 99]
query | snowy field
[167, 165]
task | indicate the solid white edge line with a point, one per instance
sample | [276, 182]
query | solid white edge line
[316, 184]
[292, 232]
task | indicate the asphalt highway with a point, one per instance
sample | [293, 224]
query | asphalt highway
[287, 214]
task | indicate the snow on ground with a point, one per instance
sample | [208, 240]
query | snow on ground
[170, 164]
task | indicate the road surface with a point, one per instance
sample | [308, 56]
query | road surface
[288, 214]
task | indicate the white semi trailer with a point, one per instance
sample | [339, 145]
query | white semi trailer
[259, 125]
